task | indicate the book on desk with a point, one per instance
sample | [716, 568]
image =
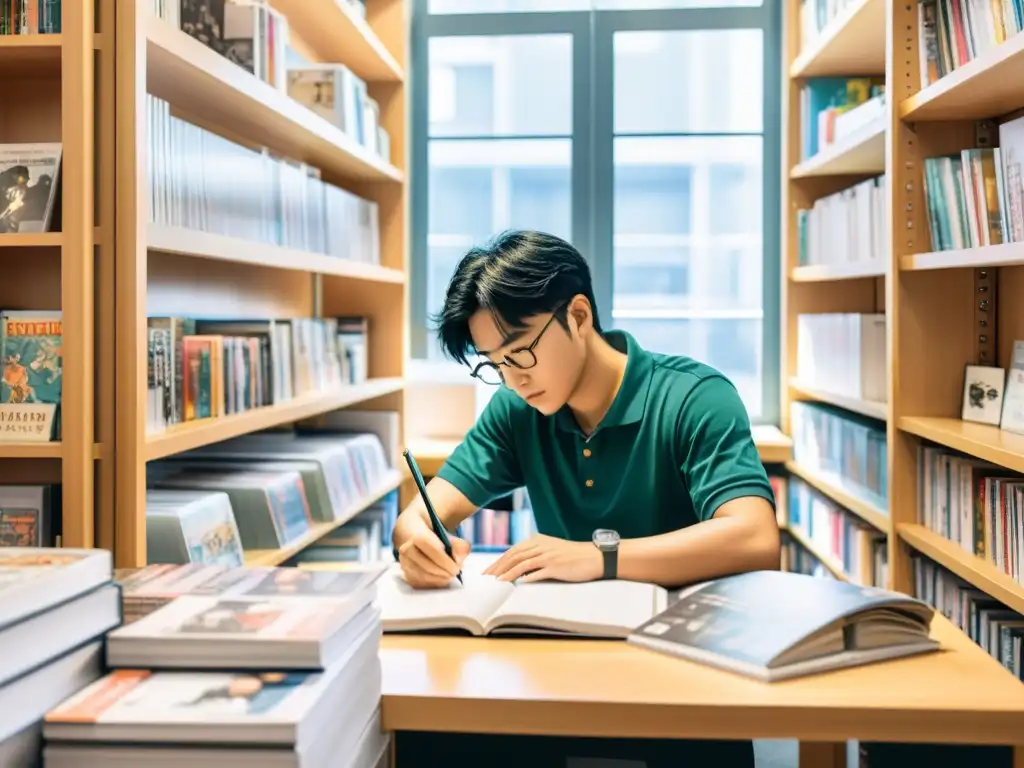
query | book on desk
[768, 625]
[774, 625]
[488, 606]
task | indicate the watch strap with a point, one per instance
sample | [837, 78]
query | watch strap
[611, 563]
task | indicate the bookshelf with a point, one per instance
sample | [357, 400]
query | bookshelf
[818, 280]
[946, 305]
[167, 268]
[55, 81]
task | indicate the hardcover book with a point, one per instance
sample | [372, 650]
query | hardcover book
[773, 625]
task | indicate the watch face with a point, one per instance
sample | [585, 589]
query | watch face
[606, 539]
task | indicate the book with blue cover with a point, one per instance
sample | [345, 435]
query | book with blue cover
[773, 625]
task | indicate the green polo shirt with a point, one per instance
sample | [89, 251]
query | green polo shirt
[674, 446]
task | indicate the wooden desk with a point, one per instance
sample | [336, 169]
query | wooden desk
[607, 688]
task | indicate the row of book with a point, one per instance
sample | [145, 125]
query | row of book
[832, 108]
[30, 17]
[201, 181]
[837, 533]
[204, 368]
[187, 664]
[496, 529]
[796, 558]
[846, 227]
[843, 354]
[989, 623]
[974, 504]
[816, 15]
[267, 490]
[976, 197]
[951, 33]
[847, 450]
[256, 36]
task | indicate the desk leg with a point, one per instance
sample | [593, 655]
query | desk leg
[825, 754]
[1018, 756]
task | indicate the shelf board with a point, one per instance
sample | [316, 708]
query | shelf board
[979, 440]
[828, 561]
[820, 273]
[194, 434]
[26, 450]
[870, 408]
[190, 242]
[317, 531]
[853, 44]
[32, 239]
[862, 152]
[38, 51]
[866, 511]
[191, 76]
[988, 86]
[340, 35]
[1008, 255]
[971, 568]
[773, 446]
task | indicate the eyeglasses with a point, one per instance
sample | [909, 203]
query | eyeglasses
[522, 358]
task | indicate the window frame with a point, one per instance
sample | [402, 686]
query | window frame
[592, 138]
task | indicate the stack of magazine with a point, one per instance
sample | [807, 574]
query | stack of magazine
[55, 606]
[247, 667]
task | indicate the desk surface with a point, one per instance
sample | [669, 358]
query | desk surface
[607, 688]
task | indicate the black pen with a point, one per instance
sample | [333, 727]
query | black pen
[435, 521]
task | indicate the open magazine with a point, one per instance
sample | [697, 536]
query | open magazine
[487, 606]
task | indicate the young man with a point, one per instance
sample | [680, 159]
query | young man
[639, 466]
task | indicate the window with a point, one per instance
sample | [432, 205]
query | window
[641, 135]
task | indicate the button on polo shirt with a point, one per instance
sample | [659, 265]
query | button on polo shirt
[674, 446]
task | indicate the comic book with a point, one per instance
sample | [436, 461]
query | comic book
[31, 344]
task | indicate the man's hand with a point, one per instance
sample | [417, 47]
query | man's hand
[425, 564]
[545, 557]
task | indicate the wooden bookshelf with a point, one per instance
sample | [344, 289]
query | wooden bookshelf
[831, 487]
[862, 152]
[945, 309]
[981, 89]
[851, 45]
[56, 93]
[167, 270]
[870, 408]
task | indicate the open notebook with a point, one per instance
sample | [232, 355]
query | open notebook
[486, 606]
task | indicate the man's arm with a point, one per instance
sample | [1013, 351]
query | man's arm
[731, 495]
[483, 467]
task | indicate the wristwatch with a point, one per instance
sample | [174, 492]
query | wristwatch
[607, 542]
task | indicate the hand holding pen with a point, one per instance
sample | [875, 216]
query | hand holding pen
[430, 556]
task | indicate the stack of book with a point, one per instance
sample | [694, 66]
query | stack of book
[55, 606]
[247, 670]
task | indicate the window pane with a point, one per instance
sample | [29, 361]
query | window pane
[688, 251]
[478, 188]
[511, 85]
[715, 84]
[505, 6]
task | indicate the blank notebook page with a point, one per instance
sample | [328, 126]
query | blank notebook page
[605, 603]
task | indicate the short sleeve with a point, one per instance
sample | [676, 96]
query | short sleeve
[720, 461]
[485, 465]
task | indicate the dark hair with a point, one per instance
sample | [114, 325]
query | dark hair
[518, 275]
